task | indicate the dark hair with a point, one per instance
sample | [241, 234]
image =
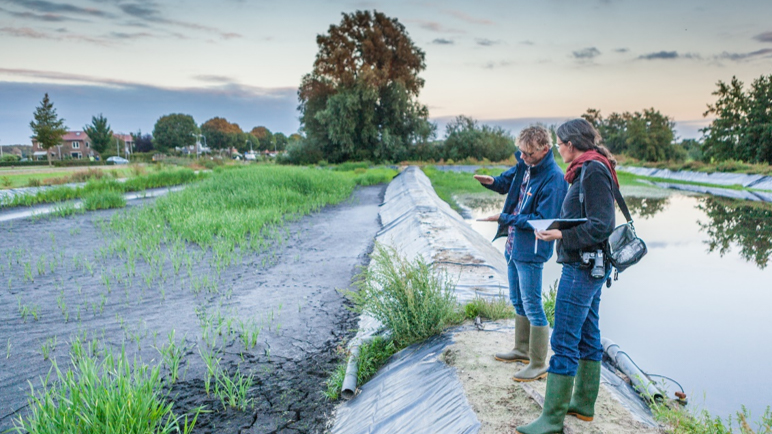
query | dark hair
[584, 137]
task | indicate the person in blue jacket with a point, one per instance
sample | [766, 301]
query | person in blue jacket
[535, 189]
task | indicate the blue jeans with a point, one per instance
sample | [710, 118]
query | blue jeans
[525, 290]
[576, 334]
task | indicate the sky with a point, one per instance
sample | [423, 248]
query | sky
[507, 63]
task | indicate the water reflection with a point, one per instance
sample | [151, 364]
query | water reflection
[645, 207]
[748, 224]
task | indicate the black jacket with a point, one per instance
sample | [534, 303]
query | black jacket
[598, 209]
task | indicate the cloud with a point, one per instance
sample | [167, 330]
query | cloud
[486, 42]
[434, 26]
[44, 6]
[47, 17]
[765, 52]
[24, 32]
[499, 64]
[229, 86]
[527, 42]
[136, 35]
[660, 55]
[468, 18]
[764, 37]
[150, 11]
[214, 78]
[586, 53]
[443, 41]
[621, 50]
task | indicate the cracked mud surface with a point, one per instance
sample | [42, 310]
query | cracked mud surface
[291, 291]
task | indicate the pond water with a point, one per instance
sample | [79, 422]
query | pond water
[697, 307]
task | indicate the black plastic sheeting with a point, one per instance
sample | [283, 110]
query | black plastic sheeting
[414, 393]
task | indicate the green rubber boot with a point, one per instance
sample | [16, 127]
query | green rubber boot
[585, 390]
[540, 345]
[555, 406]
[520, 352]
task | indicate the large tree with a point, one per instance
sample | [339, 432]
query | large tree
[264, 138]
[221, 134]
[99, 133]
[174, 131]
[142, 142]
[742, 129]
[47, 127]
[360, 100]
[465, 138]
[647, 136]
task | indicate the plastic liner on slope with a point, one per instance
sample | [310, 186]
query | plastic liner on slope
[417, 222]
[763, 184]
[720, 178]
[415, 393]
[716, 191]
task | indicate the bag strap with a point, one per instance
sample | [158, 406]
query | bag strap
[617, 194]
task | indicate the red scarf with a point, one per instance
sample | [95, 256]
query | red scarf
[573, 168]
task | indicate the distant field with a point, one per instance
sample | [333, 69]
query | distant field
[20, 176]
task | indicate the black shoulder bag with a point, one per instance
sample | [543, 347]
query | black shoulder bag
[625, 249]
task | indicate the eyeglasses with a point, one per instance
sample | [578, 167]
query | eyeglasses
[528, 154]
[557, 145]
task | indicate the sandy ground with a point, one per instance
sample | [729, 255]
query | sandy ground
[292, 289]
[501, 404]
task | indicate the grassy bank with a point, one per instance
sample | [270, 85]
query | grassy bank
[162, 178]
[446, 184]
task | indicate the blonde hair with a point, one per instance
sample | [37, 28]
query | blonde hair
[535, 138]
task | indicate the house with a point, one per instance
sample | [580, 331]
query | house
[77, 145]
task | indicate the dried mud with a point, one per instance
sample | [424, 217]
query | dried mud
[291, 289]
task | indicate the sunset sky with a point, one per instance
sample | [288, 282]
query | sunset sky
[507, 63]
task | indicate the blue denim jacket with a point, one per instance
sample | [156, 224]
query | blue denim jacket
[547, 189]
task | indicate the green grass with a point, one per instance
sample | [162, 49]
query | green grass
[446, 184]
[680, 420]
[93, 397]
[103, 199]
[167, 177]
[489, 308]
[43, 177]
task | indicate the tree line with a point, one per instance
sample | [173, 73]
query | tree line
[360, 102]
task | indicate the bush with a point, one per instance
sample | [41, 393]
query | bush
[408, 297]
[10, 158]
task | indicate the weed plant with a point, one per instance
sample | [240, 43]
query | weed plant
[103, 199]
[408, 297]
[233, 390]
[92, 398]
[680, 420]
[490, 308]
[548, 301]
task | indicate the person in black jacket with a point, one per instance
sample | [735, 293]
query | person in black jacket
[574, 369]
[535, 189]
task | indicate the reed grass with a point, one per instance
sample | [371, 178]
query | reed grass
[107, 396]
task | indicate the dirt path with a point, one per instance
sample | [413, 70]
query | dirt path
[501, 404]
[79, 289]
